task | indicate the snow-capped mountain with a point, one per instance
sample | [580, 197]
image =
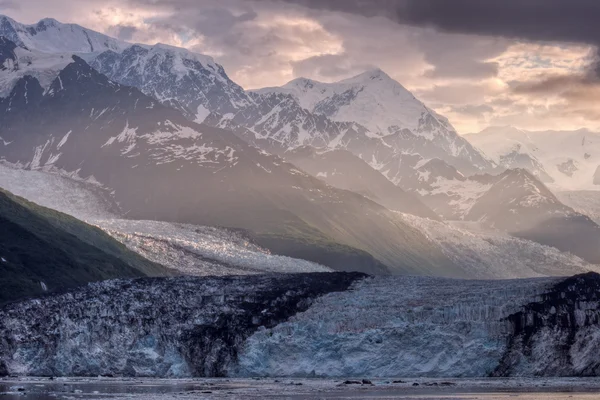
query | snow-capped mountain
[17, 62]
[190, 82]
[565, 160]
[383, 106]
[51, 36]
[161, 166]
[343, 115]
[372, 99]
[516, 202]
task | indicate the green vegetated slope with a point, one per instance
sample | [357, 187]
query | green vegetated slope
[42, 249]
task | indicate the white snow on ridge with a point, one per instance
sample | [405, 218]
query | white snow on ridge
[42, 66]
[51, 36]
[376, 101]
[570, 158]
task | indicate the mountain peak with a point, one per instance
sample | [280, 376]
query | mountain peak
[51, 36]
[48, 22]
[5, 18]
[375, 74]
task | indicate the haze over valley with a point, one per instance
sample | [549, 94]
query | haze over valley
[163, 215]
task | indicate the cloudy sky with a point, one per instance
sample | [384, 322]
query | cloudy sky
[527, 63]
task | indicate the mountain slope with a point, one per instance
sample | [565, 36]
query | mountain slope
[44, 250]
[302, 113]
[492, 253]
[344, 170]
[565, 160]
[384, 107]
[189, 249]
[163, 167]
[192, 83]
[518, 203]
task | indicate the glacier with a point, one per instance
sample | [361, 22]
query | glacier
[308, 325]
[432, 327]
[173, 327]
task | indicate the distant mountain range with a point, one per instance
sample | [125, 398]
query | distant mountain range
[313, 170]
[564, 160]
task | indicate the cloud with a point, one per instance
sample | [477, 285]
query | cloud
[123, 32]
[477, 111]
[572, 21]
[530, 61]
[329, 66]
[460, 56]
[8, 5]
[544, 20]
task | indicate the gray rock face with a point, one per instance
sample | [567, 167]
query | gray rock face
[344, 170]
[179, 327]
[568, 167]
[557, 335]
[8, 58]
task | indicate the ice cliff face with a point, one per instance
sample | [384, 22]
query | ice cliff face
[558, 335]
[412, 327]
[152, 327]
[332, 324]
[405, 327]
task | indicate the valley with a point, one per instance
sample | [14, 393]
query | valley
[166, 231]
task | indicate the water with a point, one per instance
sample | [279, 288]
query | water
[300, 389]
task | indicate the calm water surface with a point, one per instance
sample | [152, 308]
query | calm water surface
[233, 389]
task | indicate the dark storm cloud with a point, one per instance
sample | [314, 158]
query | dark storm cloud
[543, 20]
[574, 21]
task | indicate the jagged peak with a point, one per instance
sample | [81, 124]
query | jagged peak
[370, 75]
[302, 81]
[181, 51]
[521, 175]
[6, 18]
[49, 22]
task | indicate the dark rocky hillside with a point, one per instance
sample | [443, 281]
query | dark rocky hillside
[43, 250]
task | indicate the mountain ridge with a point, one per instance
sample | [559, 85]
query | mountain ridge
[150, 155]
